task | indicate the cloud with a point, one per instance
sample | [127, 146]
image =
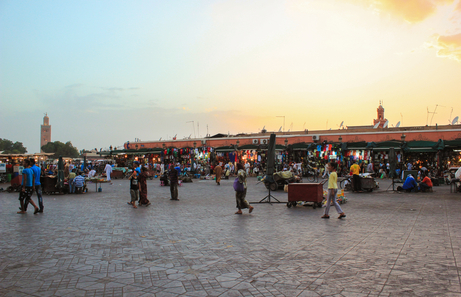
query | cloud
[113, 89]
[447, 46]
[412, 11]
[458, 7]
[98, 98]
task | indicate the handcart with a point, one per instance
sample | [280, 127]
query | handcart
[279, 179]
[368, 183]
[49, 185]
[307, 192]
[118, 172]
[15, 184]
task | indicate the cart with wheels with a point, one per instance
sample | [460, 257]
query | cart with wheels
[307, 192]
[368, 183]
[279, 179]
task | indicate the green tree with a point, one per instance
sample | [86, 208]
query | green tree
[61, 149]
[8, 147]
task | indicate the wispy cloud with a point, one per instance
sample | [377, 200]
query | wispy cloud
[412, 11]
[448, 46]
[99, 99]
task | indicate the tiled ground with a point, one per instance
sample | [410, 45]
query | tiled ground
[94, 244]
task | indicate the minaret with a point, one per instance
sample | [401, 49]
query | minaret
[45, 133]
[381, 120]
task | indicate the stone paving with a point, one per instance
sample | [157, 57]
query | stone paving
[94, 244]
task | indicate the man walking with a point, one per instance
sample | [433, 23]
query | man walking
[173, 183]
[28, 186]
[108, 170]
[38, 187]
[218, 172]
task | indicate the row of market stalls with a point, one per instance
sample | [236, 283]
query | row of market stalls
[11, 164]
[438, 155]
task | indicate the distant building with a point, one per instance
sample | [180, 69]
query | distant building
[381, 120]
[45, 132]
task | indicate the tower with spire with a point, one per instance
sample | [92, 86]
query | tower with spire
[45, 132]
[381, 120]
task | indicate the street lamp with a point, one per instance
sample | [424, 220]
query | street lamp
[286, 141]
[340, 138]
[195, 144]
[403, 137]
[136, 146]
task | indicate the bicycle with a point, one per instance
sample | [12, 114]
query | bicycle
[312, 175]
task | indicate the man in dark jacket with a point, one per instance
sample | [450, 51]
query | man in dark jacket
[173, 183]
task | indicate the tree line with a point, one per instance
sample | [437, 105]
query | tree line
[58, 148]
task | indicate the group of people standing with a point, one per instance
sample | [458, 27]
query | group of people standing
[30, 184]
[138, 187]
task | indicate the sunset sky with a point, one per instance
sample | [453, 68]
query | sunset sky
[107, 72]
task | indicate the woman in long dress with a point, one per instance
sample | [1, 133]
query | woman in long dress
[218, 171]
[142, 180]
[242, 203]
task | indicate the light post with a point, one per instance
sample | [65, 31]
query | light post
[193, 157]
[402, 145]
[340, 147]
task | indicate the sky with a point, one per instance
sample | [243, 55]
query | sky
[107, 72]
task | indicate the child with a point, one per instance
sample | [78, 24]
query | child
[332, 190]
[134, 189]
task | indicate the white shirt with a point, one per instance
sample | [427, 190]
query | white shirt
[458, 173]
[108, 168]
[91, 173]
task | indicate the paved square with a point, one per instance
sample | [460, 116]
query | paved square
[94, 244]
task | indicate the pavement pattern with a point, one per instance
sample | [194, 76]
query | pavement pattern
[94, 244]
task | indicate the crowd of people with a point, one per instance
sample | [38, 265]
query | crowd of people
[170, 176]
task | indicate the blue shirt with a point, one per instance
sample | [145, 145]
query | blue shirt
[138, 170]
[79, 181]
[409, 183]
[29, 173]
[178, 169]
[37, 173]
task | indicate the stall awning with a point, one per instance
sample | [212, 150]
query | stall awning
[248, 147]
[142, 151]
[386, 145]
[224, 149]
[357, 145]
[279, 147]
[421, 146]
[302, 146]
[453, 143]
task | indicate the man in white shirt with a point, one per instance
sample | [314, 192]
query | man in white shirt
[92, 173]
[247, 168]
[458, 173]
[108, 170]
